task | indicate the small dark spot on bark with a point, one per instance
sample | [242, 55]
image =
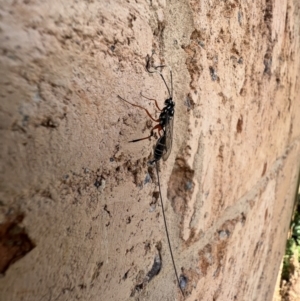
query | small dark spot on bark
[49, 123]
[97, 183]
[155, 268]
[126, 275]
[106, 210]
[264, 169]
[266, 214]
[239, 126]
[268, 63]
[155, 195]
[213, 74]
[137, 288]
[183, 281]
[82, 286]
[15, 242]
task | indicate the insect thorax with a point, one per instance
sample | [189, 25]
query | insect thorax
[167, 111]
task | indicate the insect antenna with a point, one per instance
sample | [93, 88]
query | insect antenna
[171, 77]
[166, 228]
[157, 71]
[170, 93]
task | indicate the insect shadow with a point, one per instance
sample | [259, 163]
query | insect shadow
[163, 147]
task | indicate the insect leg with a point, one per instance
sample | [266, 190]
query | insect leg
[158, 127]
[151, 99]
[156, 120]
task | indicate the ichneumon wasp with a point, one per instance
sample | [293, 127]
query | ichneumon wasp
[164, 124]
[163, 145]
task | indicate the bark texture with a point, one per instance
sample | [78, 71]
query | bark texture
[85, 199]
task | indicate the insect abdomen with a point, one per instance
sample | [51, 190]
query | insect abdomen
[159, 148]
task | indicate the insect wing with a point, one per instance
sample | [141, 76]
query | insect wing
[169, 137]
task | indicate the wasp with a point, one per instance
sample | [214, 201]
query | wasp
[163, 147]
[165, 121]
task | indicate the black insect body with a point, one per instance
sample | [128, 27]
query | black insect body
[164, 127]
[159, 149]
[163, 145]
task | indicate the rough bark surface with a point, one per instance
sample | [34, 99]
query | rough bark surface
[88, 199]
